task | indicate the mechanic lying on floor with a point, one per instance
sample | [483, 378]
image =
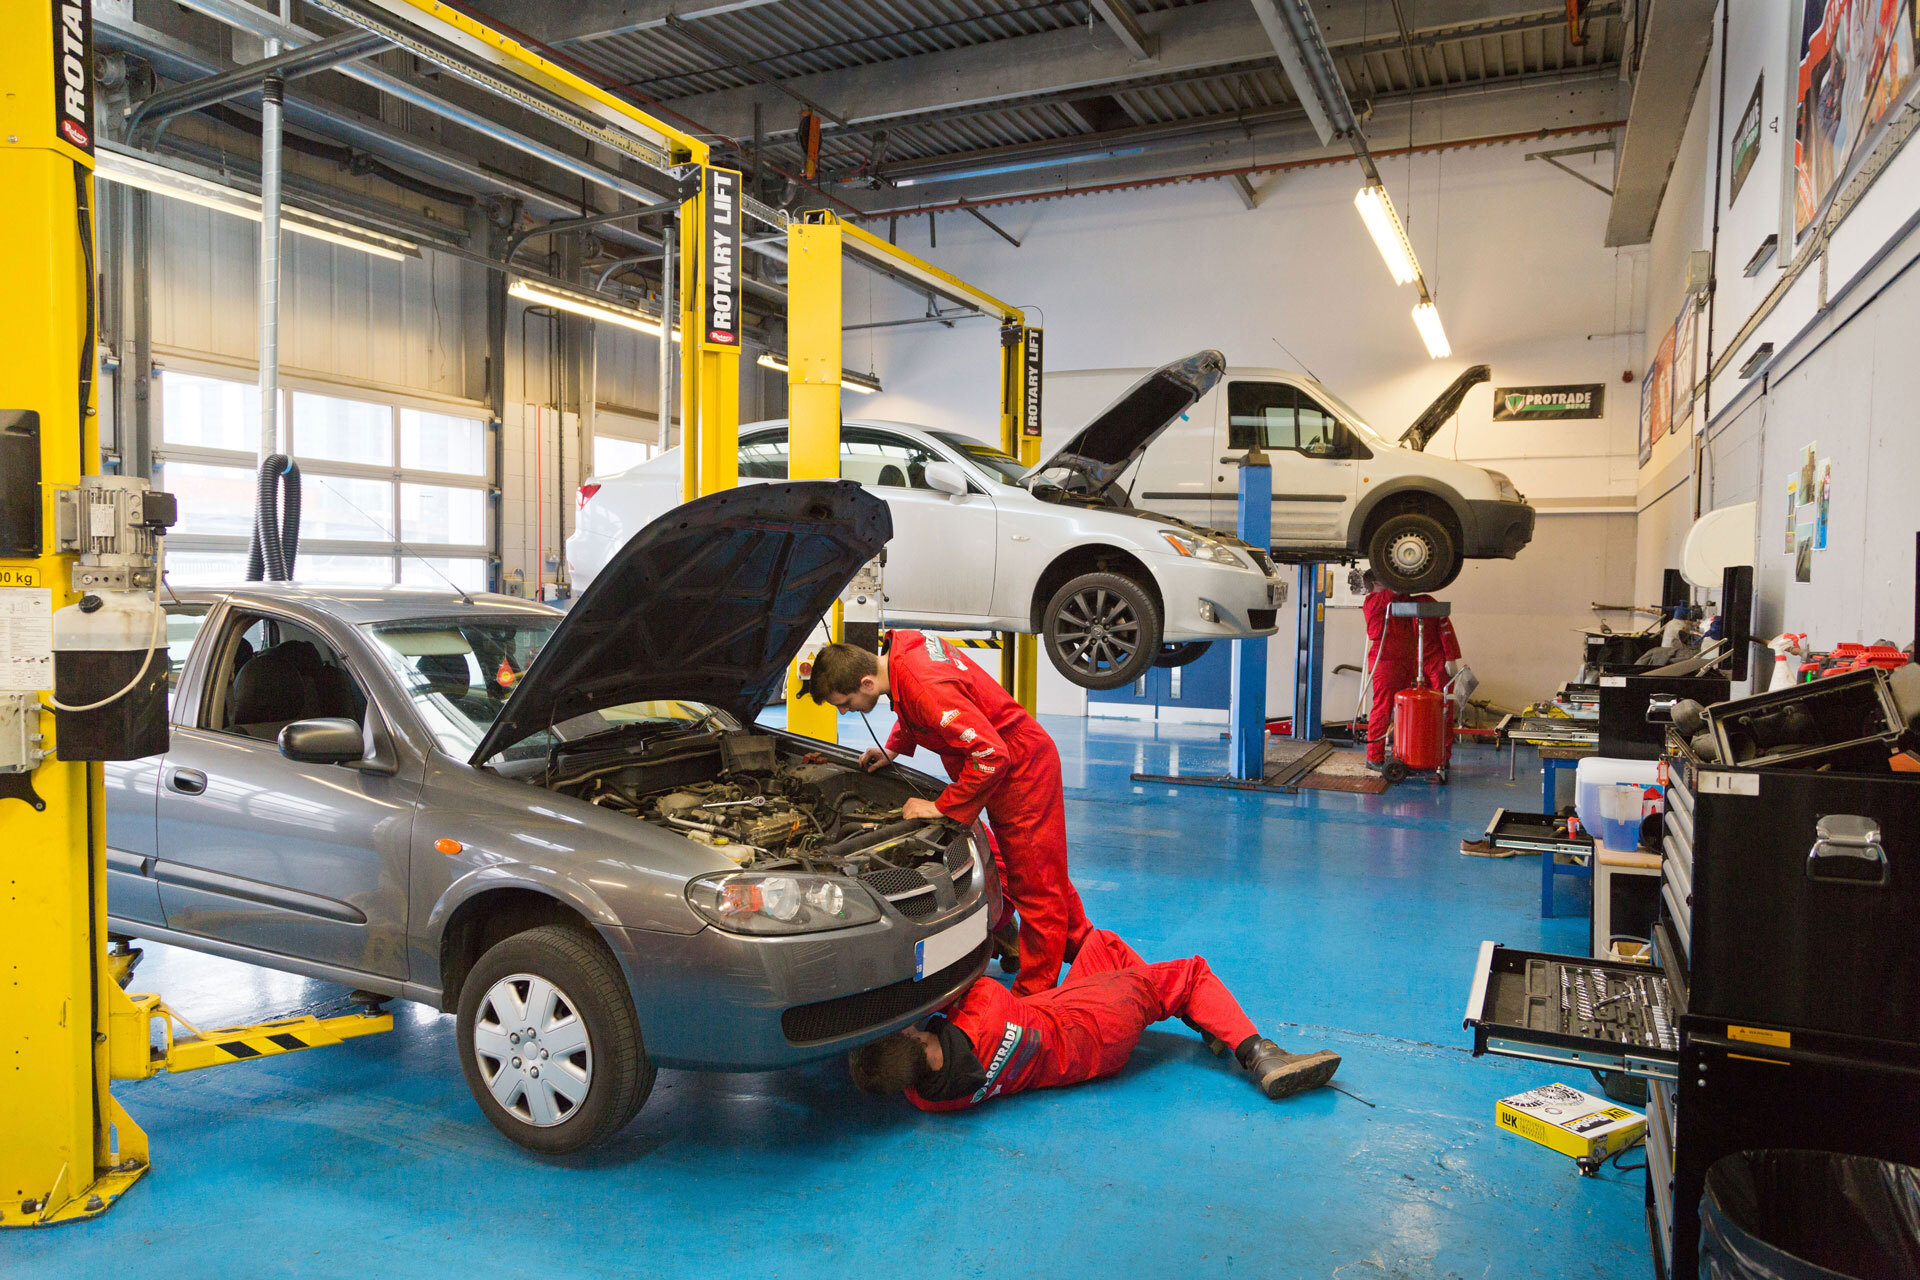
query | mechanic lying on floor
[1000, 760]
[991, 1042]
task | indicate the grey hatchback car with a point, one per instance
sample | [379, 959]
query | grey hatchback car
[562, 828]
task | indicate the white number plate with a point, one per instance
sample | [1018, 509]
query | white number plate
[931, 955]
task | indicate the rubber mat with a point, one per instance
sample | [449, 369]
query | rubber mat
[1345, 771]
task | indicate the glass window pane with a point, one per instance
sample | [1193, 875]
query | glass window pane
[764, 458]
[211, 499]
[440, 513]
[209, 413]
[442, 442]
[612, 454]
[889, 462]
[205, 569]
[343, 571]
[468, 573]
[346, 507]
[342, 430]
[183, 624]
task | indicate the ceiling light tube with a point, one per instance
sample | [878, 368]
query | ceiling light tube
[864, 383]
[1383, 224]
[1426, 318]
[584, 304]
[129, 171]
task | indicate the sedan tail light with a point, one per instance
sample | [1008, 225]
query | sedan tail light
[587, 491]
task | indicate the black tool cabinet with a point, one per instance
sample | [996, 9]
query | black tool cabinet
[1788, 956]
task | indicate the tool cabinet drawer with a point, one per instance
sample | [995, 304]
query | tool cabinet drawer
[1607, 1014]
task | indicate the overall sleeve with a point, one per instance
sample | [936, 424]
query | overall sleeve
[963, 730]
[900, 739]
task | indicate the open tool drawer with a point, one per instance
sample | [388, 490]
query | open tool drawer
[1607, 1014]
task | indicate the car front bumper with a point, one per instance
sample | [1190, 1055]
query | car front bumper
[1204, 601]
[721, 1001]
[1496, 530]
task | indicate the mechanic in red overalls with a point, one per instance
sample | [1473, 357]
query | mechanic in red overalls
[999, 759]
[991, 1042]
[1393, 645]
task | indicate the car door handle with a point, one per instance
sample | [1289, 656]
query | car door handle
[188, 782]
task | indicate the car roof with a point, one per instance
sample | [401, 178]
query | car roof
[356, 605]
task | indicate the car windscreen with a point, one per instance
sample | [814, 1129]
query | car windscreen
[459, 672]
[1000, 465]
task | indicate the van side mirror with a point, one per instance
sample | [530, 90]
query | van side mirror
[947, 479]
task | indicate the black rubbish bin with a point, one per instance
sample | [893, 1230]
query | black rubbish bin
[1809, 1215]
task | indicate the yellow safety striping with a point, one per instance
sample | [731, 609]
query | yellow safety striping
[285, 1035]
[974, 644]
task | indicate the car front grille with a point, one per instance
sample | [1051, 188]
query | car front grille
[1261, 619]
[846, 1015]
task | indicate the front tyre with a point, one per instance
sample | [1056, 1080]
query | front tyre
[1413, 552]
[1182, 654]
[1102, 630]
[549, 1041]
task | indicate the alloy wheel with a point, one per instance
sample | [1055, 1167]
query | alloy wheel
[533, 1049]
[1096, 630]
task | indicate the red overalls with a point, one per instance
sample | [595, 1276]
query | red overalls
[1086, 1027]
[1000, 759]
[1392, 644]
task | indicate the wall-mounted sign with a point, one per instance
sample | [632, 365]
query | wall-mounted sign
[720, 305]
[1856, 60]
[1030, 383]
[1746, 141]
[73, 72]
[1520, 404]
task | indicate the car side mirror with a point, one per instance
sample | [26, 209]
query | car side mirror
[947, 478]
[329, 740]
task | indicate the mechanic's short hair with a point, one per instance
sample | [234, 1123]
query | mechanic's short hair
[839, 668]
[889, 1066]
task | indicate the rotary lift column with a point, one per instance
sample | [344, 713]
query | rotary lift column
[1247, 728]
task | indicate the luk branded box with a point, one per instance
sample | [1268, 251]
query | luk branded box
[1571, 1122]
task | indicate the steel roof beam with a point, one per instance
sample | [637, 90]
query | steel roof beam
[1120, 18]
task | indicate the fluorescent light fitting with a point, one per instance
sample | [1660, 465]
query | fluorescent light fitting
[1751, 365]
[130, 171]
[1383, 224]
[1426, 318]
[585, 304]
[863, 383]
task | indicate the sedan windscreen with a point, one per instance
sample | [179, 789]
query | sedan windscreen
[459, 673]
[992, 460]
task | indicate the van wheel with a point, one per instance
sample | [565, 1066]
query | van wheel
[1179, 655]
[1102, 630]
[549, 1041]
[1413, 552]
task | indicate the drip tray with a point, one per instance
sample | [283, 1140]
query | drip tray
[1582, 1012]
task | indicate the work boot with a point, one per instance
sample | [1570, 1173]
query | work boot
[1215, 1045]
[1006, 945]
[1376, 766]
[1281, 1074]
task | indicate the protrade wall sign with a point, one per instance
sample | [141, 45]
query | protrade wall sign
[1536, 404]
[720, 307]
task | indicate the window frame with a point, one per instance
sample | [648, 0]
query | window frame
[1350, 446]
[394, 549]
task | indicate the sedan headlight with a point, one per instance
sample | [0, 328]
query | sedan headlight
[1199, 548]
[780, 902]
[1504, 487]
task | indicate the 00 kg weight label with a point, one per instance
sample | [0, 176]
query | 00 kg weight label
[10, 577]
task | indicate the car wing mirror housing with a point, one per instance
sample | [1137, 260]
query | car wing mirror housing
[947, 478]
[328, 740]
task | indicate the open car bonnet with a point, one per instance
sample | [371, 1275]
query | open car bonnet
[709, 603]
[1429, 423]
[1102, 450]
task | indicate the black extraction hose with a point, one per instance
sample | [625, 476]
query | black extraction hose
[276, 532]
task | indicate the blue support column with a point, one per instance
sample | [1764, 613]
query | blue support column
[1247, 725]
[1309, 663]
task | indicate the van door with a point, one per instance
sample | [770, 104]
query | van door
[1315, 481]
[1176, 474]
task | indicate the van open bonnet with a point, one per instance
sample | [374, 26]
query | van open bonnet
[1099, 453]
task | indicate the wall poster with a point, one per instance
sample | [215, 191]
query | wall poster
[1661, 376]
[1684, 373]
[1746, 141]
[1856, 59]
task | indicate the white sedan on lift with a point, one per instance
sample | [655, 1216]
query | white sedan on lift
[981, 542]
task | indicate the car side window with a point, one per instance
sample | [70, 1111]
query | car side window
[270, 672]
[884, 461]
[183, 626]
[764, 457]
[1278, 415]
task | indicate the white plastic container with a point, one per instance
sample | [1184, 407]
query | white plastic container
[1612, 796]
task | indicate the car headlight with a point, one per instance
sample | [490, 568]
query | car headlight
[1504, 487]
[1198, 548]
[780, 902]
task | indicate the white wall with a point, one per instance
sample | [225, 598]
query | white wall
[1137, 278]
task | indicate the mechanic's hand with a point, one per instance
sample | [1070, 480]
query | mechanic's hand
[875, 758]
[916, 808]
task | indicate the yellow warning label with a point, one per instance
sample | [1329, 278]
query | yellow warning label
[1761, 1035]
[19, 577]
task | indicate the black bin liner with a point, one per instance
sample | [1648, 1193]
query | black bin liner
[1809, 1215]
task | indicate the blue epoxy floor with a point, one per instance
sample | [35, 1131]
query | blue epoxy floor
[1342, 921]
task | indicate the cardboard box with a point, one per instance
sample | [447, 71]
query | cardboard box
[1571, 1122]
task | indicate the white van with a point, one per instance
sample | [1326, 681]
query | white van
[1341, 489]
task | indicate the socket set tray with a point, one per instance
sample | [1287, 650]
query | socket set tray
[1609, 1014]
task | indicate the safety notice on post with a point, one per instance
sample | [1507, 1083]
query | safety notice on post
[26, 640]
[720, 300]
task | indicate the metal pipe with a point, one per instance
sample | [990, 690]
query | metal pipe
[663, 411]
[157, 111]
[270, 95]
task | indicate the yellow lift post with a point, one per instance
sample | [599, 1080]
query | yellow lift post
[66, 1026]
[817, 246]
